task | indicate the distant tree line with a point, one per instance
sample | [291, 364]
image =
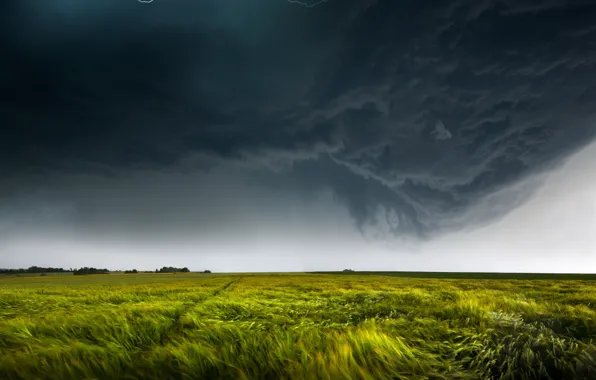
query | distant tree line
[33, 269]
[88, 270]
[172, 270]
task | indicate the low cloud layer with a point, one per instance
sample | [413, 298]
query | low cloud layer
[411, 120]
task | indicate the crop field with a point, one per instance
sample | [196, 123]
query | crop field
[295, 326]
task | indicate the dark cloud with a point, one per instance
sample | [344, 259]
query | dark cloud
[415, 111]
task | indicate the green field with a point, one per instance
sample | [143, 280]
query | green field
[295, 326]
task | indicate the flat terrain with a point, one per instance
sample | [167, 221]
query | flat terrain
[295, 326]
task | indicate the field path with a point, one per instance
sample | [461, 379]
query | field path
[224, 288]
[176, 327]
[212, 294]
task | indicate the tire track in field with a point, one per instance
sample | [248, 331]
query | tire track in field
[177, 327]
[224, 288]
[176, 330]
[214, 293]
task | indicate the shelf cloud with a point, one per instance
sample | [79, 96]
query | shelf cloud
[399, 121]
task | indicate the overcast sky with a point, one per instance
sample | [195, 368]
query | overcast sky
[272, 135]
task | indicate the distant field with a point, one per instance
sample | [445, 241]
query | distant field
[447, 275]
[478, 275]
[296, 326]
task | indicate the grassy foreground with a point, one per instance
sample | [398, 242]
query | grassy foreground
[303, 326]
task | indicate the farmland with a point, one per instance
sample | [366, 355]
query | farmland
[296, 326]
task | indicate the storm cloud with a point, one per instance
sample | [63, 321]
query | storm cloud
[419, 119]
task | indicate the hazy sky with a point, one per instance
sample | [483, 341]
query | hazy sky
[266, 135]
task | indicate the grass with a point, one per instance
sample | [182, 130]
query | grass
[295, 326]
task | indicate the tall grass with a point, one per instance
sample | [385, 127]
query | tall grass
[198, 326]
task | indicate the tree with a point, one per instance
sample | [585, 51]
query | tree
[173, 270]
[33, 269]
[88, 270]
[206, 271]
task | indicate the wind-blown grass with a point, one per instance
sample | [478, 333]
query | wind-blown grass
[302, 326]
